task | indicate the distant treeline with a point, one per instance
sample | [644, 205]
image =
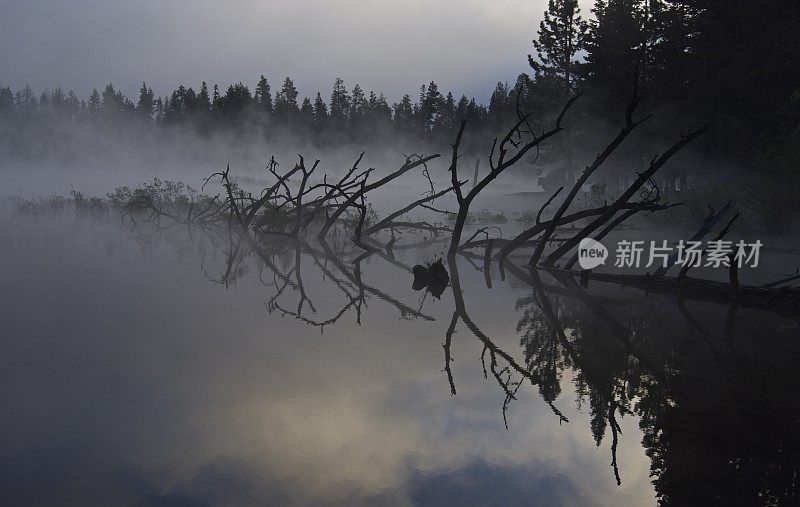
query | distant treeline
[351, 113]
[737, 63]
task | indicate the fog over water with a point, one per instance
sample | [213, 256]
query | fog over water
[222, 288]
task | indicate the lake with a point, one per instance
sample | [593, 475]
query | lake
[180, 368]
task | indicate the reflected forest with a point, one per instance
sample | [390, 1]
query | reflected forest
[581, 289]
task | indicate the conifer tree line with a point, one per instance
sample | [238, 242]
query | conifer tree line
[737, 63]
[353, 112]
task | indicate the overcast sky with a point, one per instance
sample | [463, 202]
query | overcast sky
[464, 45]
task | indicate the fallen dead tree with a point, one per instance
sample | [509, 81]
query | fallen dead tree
[642, 196]
[337, 211]
[299, 205]
[325, 208]
[782, 300]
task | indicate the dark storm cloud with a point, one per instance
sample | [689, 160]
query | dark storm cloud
[394, 46]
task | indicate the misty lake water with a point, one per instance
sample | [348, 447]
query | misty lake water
[138, 373]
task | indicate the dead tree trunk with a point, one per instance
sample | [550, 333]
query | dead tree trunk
[624, 199]
[630, 126]
[520, 129]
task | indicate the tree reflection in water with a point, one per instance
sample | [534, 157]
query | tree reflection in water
[719, 412]
[712, 386]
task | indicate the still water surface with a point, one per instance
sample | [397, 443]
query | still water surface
[140, 373]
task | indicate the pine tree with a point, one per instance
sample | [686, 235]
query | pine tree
[476, 112]
[404, 115]
[428, 109]
[72, 105]
[286, 108]
[501, 105]
[216, 105]
[203, 102]
[234, 103]
[615, 48]
[175, 111]
[95, 106]
[320, 112]
[26, 100]
[158, 111]
[145, 105]
[307, 113]
[44, 100]
[462, 109]
[379, 114]
[165, 109]
[358, 108]
[523, 92]
[446, 122]
[58, 100]
[562, 34]
[340, 103]
[190, 105]
[262, 96]
[113, 103]
[382, 109]
[6, 100]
